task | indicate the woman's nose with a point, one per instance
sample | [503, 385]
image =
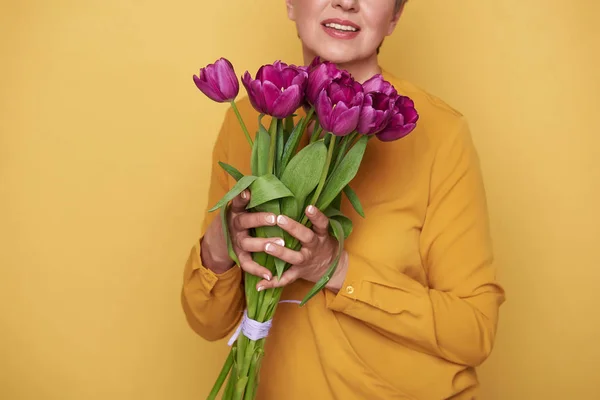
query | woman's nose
[345, 5]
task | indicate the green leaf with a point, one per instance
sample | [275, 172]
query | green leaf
[235, 174]
[333, 213]
[337, 202]
[266, 188]
[239, 187]
[292, 143]
[343, 174]
[338, 232]
[354, 200]
[302, 176]
[225, 227]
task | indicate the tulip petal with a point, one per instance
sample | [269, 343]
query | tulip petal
[317, 80]
[301, 79]
[410, 115]
[366, 121]
[256, 87]
[253, 87]
[287, 76]
[323, 108]
[271, 73]
[209, 90]
[270, 93]
[287, 102]
[391, 134]
[226, 79]
[347, 121]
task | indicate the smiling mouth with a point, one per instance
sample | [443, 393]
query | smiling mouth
[340, 27]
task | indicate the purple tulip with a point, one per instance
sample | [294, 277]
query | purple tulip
[375, 114]
[278, 89]
[320, 75]
[338, 105]
[403, 121]
[380, 85]
[218, 81]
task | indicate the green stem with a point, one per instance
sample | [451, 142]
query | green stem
[253, 372]
[273, 133]
[325, 172]
[289, 125]
[239, 117]
[222, 376]
[228, 393]
[345, 142]
[308, 118]
[316, 132]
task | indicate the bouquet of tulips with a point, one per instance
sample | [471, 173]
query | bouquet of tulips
[285, 179]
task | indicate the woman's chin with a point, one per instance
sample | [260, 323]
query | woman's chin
[340, 56]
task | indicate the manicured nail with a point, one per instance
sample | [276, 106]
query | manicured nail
[280, 242]
[311, 210]
[267, 277]
[260, 288]
[244, 195]
[269, 248]
[281, 220]
[271, 219]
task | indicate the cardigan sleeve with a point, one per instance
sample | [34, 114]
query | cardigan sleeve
[212, 303]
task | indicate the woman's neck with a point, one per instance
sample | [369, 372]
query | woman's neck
[361, 70]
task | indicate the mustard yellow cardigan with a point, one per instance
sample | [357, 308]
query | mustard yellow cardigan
[419, 307]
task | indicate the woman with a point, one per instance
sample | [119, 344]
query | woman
[413, 306]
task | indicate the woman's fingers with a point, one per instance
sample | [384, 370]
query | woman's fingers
[255, 245]
[288, 255]
[305, 235]
[246, 220]
[251, 267]
[288, 277]
[319, 220]
[239, 202]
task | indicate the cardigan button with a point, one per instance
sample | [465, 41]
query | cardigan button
[349, 289]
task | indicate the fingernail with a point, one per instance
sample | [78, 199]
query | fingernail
[269, 248]
[281, 220]
[244, 195]
[280, 242]
[267, 277]
[311, 210]
[271, 219]
[260, 288]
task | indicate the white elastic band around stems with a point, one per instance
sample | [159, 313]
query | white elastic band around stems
[252, 329]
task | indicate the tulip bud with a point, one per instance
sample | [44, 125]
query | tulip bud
[218, 81]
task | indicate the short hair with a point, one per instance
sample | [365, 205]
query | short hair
[399, 4]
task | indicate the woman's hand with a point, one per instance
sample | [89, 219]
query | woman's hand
[318, 251]
[214, 247]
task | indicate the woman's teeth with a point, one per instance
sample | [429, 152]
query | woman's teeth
[341, 27]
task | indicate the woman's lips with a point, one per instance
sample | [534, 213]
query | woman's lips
[340, 29]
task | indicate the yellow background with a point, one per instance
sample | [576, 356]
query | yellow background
[104, 150]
